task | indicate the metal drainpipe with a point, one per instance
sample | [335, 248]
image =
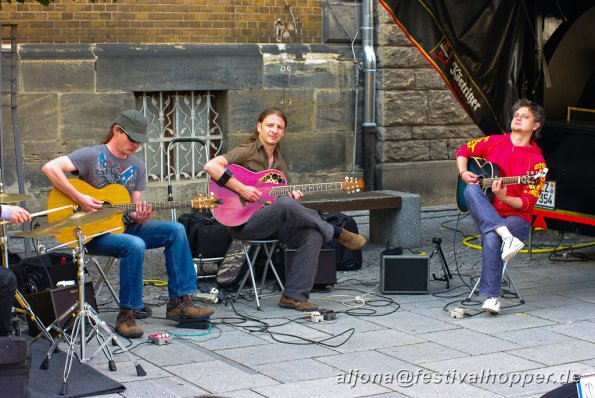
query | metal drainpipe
[368, 123]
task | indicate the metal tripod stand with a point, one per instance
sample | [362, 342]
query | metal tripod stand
[78, 336]
[438, 250]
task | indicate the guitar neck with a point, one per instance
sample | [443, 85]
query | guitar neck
[487, 182]
[156, 206]
[326, 186]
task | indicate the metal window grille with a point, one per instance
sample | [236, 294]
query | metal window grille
[171, 115]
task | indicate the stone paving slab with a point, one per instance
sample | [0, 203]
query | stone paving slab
[570, 313]
[423, 352]
[298, 370]
[377, 339]
[274, 352]
[533, 337]
[583, 330]
[218, 377]
[494, 363]
[414, 324]
[322, 388]
[552, 354]
[167, 387]
[470, 342]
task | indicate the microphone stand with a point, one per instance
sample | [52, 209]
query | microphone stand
[447, 275]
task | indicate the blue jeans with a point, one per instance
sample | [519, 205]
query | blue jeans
[487, 220]
[289, 221]
[130, 248]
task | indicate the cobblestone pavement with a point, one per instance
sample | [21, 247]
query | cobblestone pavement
[398, 345]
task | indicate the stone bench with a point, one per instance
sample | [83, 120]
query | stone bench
[394, 216]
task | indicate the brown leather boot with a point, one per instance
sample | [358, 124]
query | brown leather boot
[126, 324]
[286, 302]
[350, 240]
[183, 307]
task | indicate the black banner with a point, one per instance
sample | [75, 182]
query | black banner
[477, 46]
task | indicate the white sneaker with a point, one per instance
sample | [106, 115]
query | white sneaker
[510, 248]
[491, 305]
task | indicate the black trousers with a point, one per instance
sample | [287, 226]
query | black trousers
[8, 285]
[289, 221]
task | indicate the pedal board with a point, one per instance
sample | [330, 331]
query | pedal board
[194, 323]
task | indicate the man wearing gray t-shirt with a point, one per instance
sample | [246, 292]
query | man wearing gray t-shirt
[114, 163]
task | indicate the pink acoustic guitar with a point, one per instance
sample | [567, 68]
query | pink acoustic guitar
[234, 210]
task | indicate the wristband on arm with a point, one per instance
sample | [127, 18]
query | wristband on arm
[224, 178]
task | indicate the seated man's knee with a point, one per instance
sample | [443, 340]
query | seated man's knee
[137, 245]
[177, 230]
[471, 191]
[285, 201]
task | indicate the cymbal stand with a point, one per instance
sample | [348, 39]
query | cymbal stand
[25, 307]
[438, 250]
[86, 315]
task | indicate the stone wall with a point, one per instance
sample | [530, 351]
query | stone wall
[420, 123]
[69, 95]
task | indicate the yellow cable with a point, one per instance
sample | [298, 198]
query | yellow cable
[550, 250]
[155, 282]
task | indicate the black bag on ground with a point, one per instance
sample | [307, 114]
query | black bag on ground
[347, 260]
[15, 366]
[208, 238]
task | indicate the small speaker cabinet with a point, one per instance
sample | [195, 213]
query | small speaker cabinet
[327, 267]
[49, 304]
[404, 274]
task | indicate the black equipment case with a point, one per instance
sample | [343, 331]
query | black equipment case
[15, 366]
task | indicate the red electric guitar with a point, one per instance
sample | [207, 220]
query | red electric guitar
[234, 210]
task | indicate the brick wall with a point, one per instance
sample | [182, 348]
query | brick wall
[166, 21]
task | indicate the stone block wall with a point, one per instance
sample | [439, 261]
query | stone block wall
[420, 123]
[69, 95]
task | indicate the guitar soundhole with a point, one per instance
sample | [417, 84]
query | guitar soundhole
[273, 178]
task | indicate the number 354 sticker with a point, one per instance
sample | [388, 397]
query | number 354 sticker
[547, 199]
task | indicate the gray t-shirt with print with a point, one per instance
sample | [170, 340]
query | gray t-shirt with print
[99, 167]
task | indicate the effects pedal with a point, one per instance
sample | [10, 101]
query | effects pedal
[459, 313]
[328, 315]
[211, 297]
[315, 316]
[160, 338]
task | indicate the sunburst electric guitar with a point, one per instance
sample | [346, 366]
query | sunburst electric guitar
[488, 172]
[113, 196]
[234, 210]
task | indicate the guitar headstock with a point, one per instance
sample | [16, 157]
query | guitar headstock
[532, 176]
[205, 202]
[352, 184]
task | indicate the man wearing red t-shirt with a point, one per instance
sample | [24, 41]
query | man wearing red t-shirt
[505, 223]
